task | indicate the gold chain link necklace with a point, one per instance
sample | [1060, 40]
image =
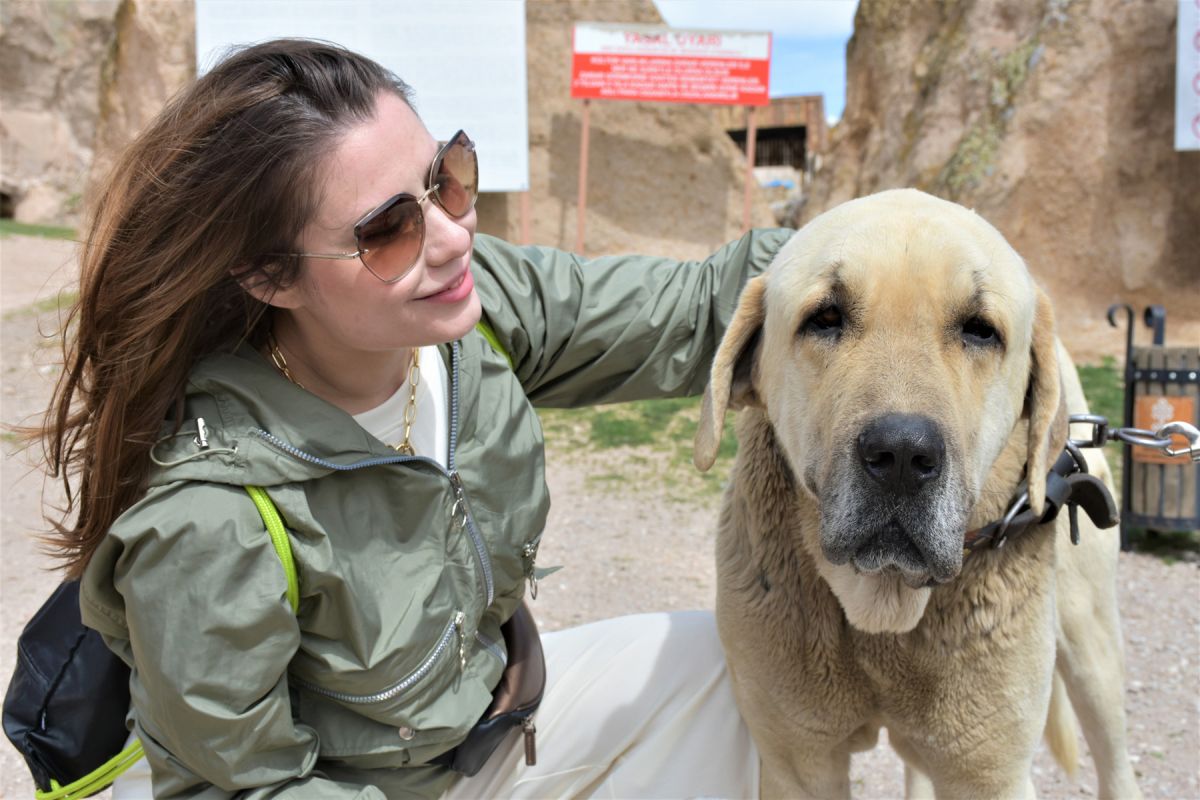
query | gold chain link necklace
[410, 411]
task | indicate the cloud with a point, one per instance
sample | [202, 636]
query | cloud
[801, 19]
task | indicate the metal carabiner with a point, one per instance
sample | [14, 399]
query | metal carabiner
[1140, 437]
[1100, 432]
[1187, 431]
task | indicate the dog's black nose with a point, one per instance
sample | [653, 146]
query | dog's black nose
[902, 452]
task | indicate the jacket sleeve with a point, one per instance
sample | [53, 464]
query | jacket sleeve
[614, 328]
[210, 633]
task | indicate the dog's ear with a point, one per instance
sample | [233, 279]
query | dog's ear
[731, 384]
[1045, 403]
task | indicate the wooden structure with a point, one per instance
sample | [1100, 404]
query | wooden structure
[790, 130]
[1162, 384]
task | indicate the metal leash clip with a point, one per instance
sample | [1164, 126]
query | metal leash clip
[1160, 439]
[1187, 431]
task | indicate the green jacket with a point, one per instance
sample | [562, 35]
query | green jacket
[406, 570]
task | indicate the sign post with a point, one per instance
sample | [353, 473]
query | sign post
[581, 203]
[667, 65]
[751, 139]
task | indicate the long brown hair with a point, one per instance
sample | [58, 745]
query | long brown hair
[225, 175]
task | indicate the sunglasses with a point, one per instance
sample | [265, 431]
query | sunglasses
[390, 238]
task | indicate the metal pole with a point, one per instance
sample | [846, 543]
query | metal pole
[751, 138]
[583, 166]
[1126, 452]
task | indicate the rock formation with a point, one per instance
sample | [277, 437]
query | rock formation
[1054, 120]
[153, 54]
[50, 55]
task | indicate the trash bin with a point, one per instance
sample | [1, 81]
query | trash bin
[1162, 384]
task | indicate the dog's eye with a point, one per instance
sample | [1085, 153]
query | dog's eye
[978, 332]
[828, 320]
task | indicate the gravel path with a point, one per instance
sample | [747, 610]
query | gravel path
[630, 545]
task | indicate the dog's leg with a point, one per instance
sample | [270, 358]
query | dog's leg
[1089, 656]
[811, 776]
[917, 785]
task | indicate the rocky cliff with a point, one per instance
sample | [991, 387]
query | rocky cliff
[152, 55]
[1054, 120]
[50, 56]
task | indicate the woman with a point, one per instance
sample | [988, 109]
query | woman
[281, 288]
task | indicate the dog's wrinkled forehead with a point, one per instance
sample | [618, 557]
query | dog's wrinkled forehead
[906, 253]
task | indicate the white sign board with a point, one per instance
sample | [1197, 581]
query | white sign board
[1187, 77]
[465, 60]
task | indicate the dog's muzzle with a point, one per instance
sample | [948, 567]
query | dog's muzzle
[893, 506]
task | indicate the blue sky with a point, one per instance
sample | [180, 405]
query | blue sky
[808, 43]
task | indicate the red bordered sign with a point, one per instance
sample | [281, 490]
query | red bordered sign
[668, 65]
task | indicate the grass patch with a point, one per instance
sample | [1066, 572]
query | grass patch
[649, 432]
[637, 424]
[1171, 548]
[10, 227]
[55, 303]
[1104, 387]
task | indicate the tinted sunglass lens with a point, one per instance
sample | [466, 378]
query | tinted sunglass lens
[457, 177]
[391, 240]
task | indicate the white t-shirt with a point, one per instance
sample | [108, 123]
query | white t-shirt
[431, 427]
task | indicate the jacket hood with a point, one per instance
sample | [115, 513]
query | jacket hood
[245, 424]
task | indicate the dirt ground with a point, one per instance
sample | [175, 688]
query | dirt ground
[626, 548]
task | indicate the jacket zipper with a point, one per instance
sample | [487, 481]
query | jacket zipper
[461, 504]
[491, 647]
[453, 628]
[460, 491]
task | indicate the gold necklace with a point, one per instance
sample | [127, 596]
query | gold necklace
[410, 411]
[278, 359]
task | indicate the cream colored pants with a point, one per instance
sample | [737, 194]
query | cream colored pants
[635, 707]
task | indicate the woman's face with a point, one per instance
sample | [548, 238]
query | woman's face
[341, 301]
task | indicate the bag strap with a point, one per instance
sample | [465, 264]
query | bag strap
[279, 539]
[104, 775]
[486, 331]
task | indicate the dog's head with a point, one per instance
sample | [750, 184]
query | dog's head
[895, 344]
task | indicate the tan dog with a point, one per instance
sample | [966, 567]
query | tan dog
[900, 373]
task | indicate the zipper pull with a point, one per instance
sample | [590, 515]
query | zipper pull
[530, 731]
[201, 439]
[459, 511]
[529, 552]
[459, 619]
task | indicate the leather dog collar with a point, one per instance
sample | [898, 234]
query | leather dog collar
[1068, 483]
